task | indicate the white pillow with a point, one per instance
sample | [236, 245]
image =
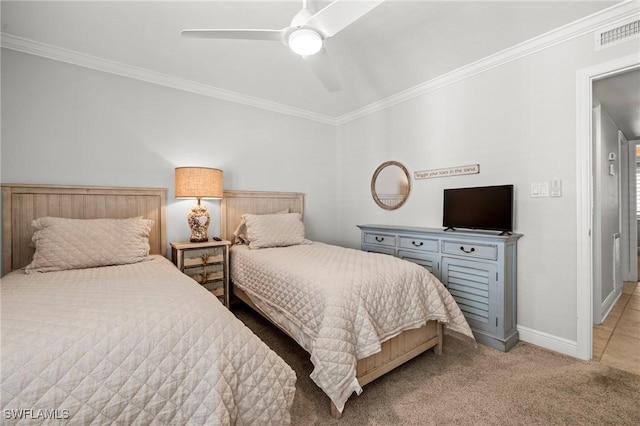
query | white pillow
[240, 234]
[86, 243]
[274, 230]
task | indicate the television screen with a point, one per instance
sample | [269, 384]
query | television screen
[487, 207]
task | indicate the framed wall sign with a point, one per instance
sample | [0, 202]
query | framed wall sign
[449, 171]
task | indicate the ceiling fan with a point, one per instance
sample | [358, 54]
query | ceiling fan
[305, 34]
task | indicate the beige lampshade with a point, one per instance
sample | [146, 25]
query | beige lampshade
[198, 182]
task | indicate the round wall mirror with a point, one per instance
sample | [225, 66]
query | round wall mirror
[390, 185]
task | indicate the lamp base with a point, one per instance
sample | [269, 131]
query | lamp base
[199, 219]
[193, 240]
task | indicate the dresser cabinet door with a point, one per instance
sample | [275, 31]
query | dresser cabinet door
[473, 285]
[431, 262]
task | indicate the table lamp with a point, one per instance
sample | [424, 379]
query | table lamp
[198, 183]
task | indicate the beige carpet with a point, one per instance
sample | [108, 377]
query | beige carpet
[468, 386]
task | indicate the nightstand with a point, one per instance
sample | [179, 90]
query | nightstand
[207, 263]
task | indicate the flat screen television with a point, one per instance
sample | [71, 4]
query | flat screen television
[485, 207]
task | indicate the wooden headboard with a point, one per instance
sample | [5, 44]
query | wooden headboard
[21, 204]
[237, 203]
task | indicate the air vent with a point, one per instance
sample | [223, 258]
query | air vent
[611, 36]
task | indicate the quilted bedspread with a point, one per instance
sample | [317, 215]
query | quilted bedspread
[133, 344]
[346, 303]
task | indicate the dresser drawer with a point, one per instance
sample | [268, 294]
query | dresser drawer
[475, 250]
[203, 256]
[414, 243]
[379, 249]
[206, 274]
[387, 240]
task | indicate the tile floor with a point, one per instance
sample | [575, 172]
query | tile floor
[616, 341]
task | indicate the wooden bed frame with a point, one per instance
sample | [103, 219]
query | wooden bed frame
[21, 204]
[395, 351]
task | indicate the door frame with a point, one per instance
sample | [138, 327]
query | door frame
[628, 216]
[584, 194]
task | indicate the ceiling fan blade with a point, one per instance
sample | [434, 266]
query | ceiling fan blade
[340, 14]
[272, 35]
[323, 68]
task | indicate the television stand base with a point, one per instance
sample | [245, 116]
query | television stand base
[463, 261]
[449, 228]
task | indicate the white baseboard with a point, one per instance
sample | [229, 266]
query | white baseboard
[610, 302]
[548, 341]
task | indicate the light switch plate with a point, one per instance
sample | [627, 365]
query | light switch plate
[535, 190]
[556, 188]
[539, 189]
[544, 189]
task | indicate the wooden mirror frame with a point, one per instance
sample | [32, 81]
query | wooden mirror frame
[377, 199]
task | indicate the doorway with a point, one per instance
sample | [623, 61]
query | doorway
[585, 195]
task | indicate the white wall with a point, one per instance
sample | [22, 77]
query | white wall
[69, 125]
[518, 121]
[63, 124]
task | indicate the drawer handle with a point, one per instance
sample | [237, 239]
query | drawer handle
[467, 251]
[205, 258]
[379, 239]
[417, 245]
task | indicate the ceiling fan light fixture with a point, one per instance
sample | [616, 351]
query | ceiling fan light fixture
[305, 42]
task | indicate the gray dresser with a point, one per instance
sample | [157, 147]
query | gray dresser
[478, 269]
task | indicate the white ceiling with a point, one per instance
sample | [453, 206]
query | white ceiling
[396, 46]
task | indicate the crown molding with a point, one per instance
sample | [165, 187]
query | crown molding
[48, 51]
[609, 16]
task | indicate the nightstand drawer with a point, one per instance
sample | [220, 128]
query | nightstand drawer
[380, 239]
[422, 244]
[203, 256]
[205, 274]
[461, 248]
[215, 287]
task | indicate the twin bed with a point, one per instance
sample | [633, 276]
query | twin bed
[358, 314]
[141, 343]
[135, 343]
